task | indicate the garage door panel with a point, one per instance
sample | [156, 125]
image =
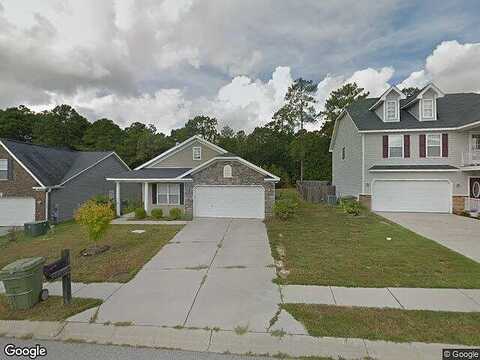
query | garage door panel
[412, 195]
[16, 211]
[229, 201]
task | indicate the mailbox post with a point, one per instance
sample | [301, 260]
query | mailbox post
[61, 269]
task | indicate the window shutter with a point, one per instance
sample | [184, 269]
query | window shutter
[154, 194]
[385, 146]
[406, 146]
[10, 169]
[182, 195]
[423, 148]
[444, 145]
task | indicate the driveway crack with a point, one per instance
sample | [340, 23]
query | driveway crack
[219, 246]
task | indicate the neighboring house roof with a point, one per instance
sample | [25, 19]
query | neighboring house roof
[454, 111]
[413, 167]
[51, 166]
[150, 174]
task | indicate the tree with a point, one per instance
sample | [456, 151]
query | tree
[17, 123]
[103, 134]
[95, 217]
[199, 125]
[410, 91]
[338, 100]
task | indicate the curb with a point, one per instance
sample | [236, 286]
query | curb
[221, 341]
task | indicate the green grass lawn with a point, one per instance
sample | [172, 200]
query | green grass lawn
[325, 246]
[388, 324]
[50, 310]
[128, 252]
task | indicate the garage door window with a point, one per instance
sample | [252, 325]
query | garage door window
[168, 194]
[3, 169]
[395, 146]
[434, 145]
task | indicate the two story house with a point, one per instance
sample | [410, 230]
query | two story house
[410, 154]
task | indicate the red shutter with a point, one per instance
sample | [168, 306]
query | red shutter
[385, 146]
[406, 146]
[444, 145]
[423, 148]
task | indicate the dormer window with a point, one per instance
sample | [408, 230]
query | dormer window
[227, 171]
[391, 110]
[197, 153]
[427, 108]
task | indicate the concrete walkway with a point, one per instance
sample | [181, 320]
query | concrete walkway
[213, 273]
[223, 341]
[458, 233]
[460, 300]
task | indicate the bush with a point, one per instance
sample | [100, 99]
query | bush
[140, 213]
[157, 213]
[175, 213]
[351, 206]
[285, 209]
[103, 200]
[129, 206]
[95, 218]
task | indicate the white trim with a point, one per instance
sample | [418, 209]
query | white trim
[407, 130]
[468, 185]
[422, 110]
[470, 168]
[396, 117]
[227, 171]
[450, 198]
[413, 170]
[363, 163]
[168, 194]
[179, 147]
[237, 158]
[145, 196]
[426, 146]
[150, 180]
[199, 149]
[384, 96]
[427, 87]
[403, 147]
[6, 169]
[118, 200]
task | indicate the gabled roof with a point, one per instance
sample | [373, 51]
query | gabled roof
[150, 174]
[418, 94]
[384, 96]
[181, 146]
[51, 166]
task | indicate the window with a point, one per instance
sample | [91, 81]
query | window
[434, 145]
[391, 110]
[168, 194]
[427, 108]
[395, 146]
[343, 153]
[227, 171]
[3, 169]
[476, 142]
[197, 153]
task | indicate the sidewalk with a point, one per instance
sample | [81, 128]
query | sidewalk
[461, 300]
[222, 341]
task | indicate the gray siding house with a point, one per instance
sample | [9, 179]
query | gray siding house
[40, 182]
[203, 180]
[415, 154]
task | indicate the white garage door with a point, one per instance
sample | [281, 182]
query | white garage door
[229, 201]
[412, 195]
[16, 211]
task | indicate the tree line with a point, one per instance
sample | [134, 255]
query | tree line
[283, 145]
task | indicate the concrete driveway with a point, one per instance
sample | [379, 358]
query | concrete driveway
[213, 273]
[458, 233]
[4, 230]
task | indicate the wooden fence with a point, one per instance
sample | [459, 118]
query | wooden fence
[315, 191]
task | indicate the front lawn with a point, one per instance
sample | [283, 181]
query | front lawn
[388, 324]
[128, 252]
[325, 246]
[50, 310]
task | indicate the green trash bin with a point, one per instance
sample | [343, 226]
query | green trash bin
[36, 228]
[23, 280]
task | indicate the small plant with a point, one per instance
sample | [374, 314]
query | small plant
[95, 218]
[157, 213]
[129, 206]
[351, 206]
[285, 209]
[465, 213]
[140, 213]
[12, 234]
[241, 330]
[175, 213]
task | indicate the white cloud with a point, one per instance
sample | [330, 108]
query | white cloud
[452, 66]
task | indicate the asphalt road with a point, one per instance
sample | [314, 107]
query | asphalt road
[78, 351]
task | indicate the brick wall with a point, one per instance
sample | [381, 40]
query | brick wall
[22, 186]
[365, 200]
[458, 204]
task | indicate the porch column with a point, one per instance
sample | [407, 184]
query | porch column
[145, 196]
[118, 203]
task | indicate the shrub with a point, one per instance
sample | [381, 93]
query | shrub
[140, 213]
[95, 218]
[175, 213]
[351, 206]
[157, 213]
[129, 206]
[103, 200]
[285, 209]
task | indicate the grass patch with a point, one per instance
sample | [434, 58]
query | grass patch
[128, 251]
[388, 324]
[325, 246]
[50, 310]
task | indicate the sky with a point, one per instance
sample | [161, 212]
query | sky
[162, 62]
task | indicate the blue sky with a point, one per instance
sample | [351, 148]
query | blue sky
[163, 61]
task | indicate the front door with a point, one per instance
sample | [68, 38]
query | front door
[475, 187]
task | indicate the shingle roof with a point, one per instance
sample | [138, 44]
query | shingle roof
[150, 173]
[413, 167]
[52, 165]
[453, 110]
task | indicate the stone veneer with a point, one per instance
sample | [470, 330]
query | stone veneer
[21, 185]
[365, 200]
[241, 175]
